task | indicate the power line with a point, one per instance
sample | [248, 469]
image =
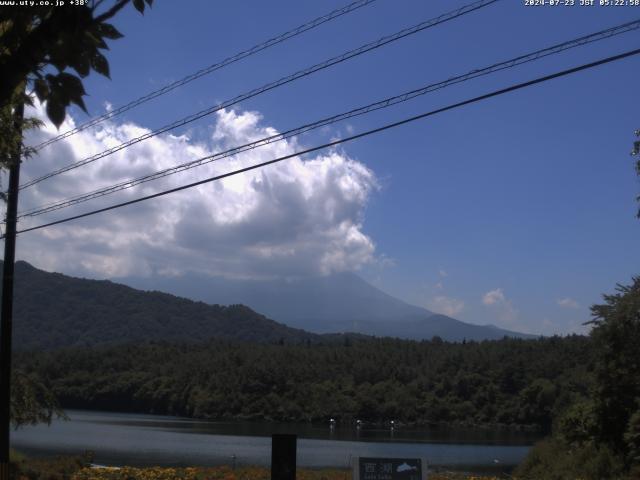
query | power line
[388, 126]
[212, 68]
[387, 102]
[445, 17]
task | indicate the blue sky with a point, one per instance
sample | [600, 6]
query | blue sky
[517, 211]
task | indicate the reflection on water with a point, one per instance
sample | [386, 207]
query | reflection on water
[326, 432]
[131, 439]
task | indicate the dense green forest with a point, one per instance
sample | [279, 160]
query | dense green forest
[598, 436]
[585, 391]
[67, 311]
[511, 382]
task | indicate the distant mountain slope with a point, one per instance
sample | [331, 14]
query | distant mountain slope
[53, 310]
[320, 303]
[341, 302]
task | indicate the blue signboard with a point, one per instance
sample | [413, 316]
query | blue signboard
[373, 468]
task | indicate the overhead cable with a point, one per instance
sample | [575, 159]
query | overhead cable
[211, 68]
[388, 126]
[445, 17]
[387, 102]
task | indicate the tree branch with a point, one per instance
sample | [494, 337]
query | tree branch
[120, 4]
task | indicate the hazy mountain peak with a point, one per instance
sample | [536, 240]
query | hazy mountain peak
[341, 302]
[75, 311]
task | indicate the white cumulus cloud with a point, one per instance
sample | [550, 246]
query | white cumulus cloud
[568, 303]
[493, 297]
[507, 313]
[296, 217]
[447, 305]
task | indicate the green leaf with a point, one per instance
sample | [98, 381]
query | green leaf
[97, 40]
[80, 102]
[56, 110]
[82, 65]
[99, 64]
[53, 82]
[71, 83]
[41, 88]
[109, 31]
[72, 89]
[139, 4]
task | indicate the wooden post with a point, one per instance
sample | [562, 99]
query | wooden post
[283, 457]
[6, 310]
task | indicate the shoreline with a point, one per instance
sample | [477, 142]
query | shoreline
[381, 424]
[87, 457]
[144, 441]
[81, 468]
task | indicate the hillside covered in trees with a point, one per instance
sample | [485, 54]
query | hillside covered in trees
[585, 391]
[511, 382]
[52, 310]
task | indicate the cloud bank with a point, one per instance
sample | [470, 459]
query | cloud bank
[494, 297]
[447, 305]
[507, 313]
[442, 303]
[294, 218]
[568, 303]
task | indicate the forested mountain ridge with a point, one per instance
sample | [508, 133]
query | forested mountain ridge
[511, 382]
[52, 310]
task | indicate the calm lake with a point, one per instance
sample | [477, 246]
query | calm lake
[132, 439]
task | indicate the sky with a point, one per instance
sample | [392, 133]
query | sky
[517, 211]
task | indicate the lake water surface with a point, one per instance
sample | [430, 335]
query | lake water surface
[133, 439]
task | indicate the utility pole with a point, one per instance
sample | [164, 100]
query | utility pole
[6, 309]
